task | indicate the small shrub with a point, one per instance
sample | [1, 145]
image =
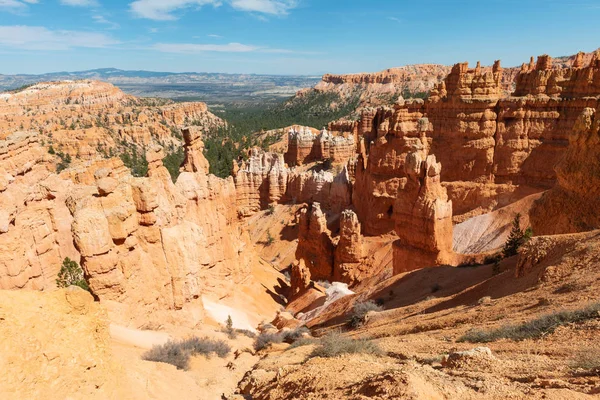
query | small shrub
[534, 329]
[295, 334]
[516, 238]
[304, 342]
[229, 327]
[51, 150]
[65, 161]
[270, 238]
[568, 288]
[360, 310]
[588, 361]
[265, 339]
[170, 353]
[271, 209]
[335, 344]
[71, 274]
[289, 336]
[179, 353]
[206, 347]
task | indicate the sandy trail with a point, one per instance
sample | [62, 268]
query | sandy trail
[136, 337]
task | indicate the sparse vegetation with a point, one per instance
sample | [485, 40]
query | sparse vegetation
[65, 161]
[271, 209]
[223, 145]
[587, 361]
[179, 353]
[334, 345]
[136, 163]
[265, 339]
[270, 238]
[517, 238]
[173, 161]
[360, 310]
[289, 336]
[534, 329]
[71, 274]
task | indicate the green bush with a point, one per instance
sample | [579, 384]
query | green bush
[173, 161]
[335, 344]
[65, 161]
[179, 353]
[534, 329]
[71, 274]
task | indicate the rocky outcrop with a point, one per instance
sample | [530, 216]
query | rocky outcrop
[86, 119]
[349, 251]
[144, 242]
[34, 221]
[572, 205]
[300, 279]
[315, 244]
[264, 179]
[332, 191]
[492, 146]
[260, 181]
[423, 217]
[304, 146]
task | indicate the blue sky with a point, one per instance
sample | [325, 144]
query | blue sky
[287, 36]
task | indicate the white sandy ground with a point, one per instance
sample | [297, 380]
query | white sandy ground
[137, 338]
[336, 291]
[220, 312]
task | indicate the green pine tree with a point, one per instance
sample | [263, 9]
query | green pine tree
[516, 238]
[71, 274]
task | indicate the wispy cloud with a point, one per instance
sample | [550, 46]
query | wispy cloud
[212, 35]
[201, 48]
[162, 10]
[191, 48]
[16, 6]
[79, 3]
[100, 19]
[394, 19]
[40, 38]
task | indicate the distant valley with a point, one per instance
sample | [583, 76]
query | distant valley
[212, 88]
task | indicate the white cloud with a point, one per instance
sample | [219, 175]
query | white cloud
[394, 19]
[162, 10]
[40, 38]
[100, 19]
[200, 48]
[191, 48]
[79, 3]
[212, 35]
[15, 5]
[274, 7]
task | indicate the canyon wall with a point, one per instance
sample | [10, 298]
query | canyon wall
[145, 242]
[572, 204]
[490, 145]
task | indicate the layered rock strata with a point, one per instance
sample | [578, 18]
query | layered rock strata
[572, 204]
[423, 217]
[305, 147]
[145, 242]
[89, 118]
